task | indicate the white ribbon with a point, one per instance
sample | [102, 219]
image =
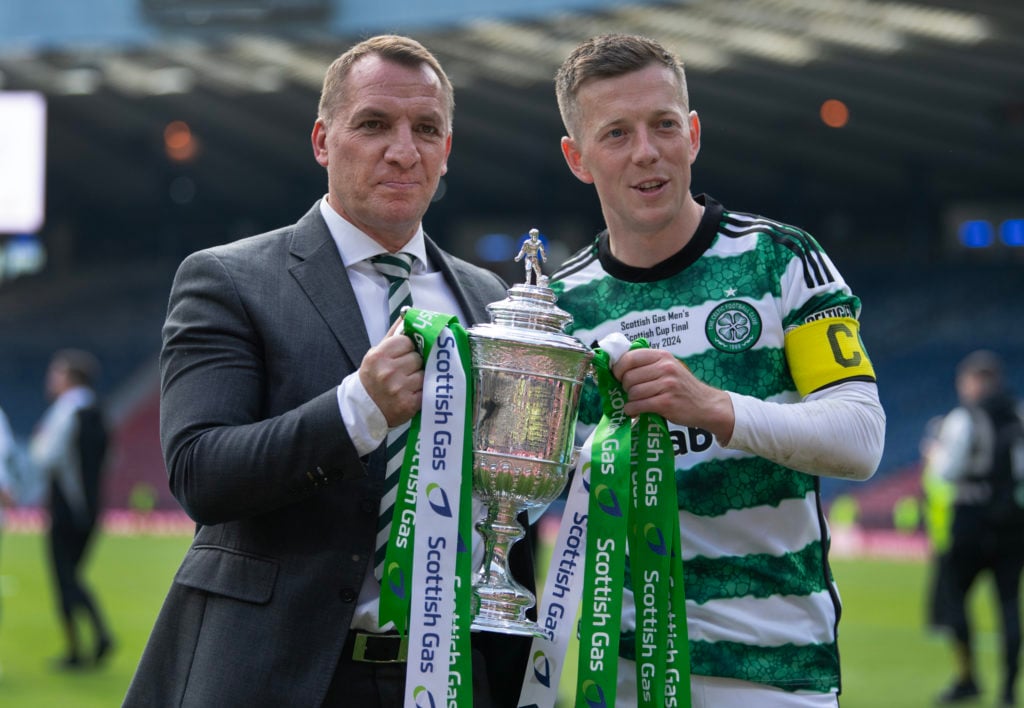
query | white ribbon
[437, 531]
[563, 589]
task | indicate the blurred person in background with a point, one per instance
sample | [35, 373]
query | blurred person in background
[8, 466]
[69, 449]
[280, 382]
[8, 472]
[765, 389]
[938, 498]
[980, 450]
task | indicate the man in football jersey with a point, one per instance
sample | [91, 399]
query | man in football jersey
[755, 361]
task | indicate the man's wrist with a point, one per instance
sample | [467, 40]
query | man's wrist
[722, 421]
[363, 419]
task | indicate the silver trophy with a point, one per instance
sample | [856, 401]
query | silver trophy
[527, 375]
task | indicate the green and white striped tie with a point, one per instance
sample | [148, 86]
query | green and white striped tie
[396, 268]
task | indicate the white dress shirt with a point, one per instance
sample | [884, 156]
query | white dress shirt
[365, 423]
[363, 419]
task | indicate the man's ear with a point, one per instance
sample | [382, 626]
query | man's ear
[574, 159]
[447, 152]
[694, 136]
[319, 140]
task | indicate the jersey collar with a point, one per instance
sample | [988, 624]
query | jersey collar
[674, 264]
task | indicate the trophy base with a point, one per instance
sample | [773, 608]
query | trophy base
[503, 625]
[499, 604]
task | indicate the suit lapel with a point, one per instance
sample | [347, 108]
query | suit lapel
[470, 296]
[323, 278]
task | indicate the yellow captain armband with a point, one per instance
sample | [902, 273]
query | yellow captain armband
[825, 352]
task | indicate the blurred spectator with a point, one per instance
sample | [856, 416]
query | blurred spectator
[7, 467]
[980, 449]
[18, 484]
[938, 522]
[69, 448]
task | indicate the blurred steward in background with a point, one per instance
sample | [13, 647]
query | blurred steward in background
[69, 449]
[980, 449]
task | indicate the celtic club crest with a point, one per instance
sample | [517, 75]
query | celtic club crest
[733, 326]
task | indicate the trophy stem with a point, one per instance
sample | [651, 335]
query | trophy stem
[499, 602]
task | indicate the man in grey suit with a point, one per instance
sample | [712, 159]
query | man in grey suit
[275, 407]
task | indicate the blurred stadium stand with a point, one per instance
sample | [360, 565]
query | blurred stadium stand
[918, 321]
[935, 90]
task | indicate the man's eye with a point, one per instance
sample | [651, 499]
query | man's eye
[429, 129]
[668, 123]
[616, 133]
[373, 124]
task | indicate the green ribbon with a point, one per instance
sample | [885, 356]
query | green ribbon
[424, 328]
[657, 570]
[461, 692]
[632, 496]
[607, 520]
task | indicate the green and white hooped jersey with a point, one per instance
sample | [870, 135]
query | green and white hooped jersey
[760, 601]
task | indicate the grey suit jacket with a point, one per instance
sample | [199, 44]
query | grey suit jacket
[258, 334]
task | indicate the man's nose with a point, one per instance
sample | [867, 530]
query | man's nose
[402, 150]
[644, 149]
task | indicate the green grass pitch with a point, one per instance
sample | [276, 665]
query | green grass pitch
[889, 658]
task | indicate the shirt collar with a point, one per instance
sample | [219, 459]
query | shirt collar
[355, 246]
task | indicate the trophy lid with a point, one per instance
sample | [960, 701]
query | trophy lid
[530, 307]
[529, 313]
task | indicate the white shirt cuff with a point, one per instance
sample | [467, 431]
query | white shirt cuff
[363, 420]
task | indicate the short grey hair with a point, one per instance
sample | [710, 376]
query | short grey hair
[390, 47]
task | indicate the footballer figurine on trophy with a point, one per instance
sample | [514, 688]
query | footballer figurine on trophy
[533, 252]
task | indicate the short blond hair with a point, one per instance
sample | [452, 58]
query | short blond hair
[604, 57]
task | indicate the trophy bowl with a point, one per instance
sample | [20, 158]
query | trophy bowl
[527, 376]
